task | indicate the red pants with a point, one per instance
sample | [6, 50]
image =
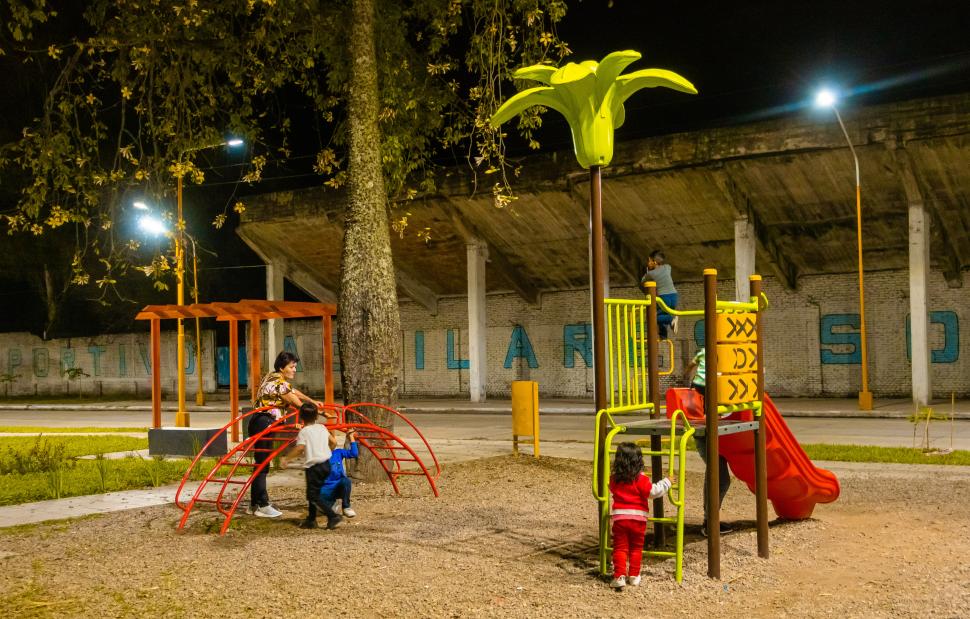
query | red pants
[628, 544]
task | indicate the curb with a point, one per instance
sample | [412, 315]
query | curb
[504, 409]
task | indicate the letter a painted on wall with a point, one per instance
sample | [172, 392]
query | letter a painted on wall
[520, 346]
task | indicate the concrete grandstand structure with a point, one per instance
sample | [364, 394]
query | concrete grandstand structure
[501, 294]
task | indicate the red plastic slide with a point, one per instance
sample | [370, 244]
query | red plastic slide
[795, 484]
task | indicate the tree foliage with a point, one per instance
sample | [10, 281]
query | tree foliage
[138, 90]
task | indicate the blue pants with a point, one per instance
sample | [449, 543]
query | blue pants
[663, 318]
[331, 492]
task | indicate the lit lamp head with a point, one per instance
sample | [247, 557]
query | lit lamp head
[152, 225]
[141, 206]
[825, 98]
[234, 142]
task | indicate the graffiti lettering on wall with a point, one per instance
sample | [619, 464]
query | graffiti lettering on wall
[840, 333]
[41, 362]
[577, 338]
[950, 352]
[520, 347]
[455, 362]
[419, 350]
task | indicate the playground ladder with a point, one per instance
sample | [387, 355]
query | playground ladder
[674, 448]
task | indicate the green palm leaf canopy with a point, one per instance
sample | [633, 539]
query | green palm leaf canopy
[591, 96]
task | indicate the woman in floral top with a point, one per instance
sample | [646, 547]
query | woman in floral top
[274, 390]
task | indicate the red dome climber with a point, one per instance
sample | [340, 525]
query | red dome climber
[388, 448]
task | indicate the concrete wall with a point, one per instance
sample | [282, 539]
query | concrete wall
[811, 345]
[810, 348]
[114, 364]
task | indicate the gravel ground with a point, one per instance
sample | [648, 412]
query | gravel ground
[508, 537]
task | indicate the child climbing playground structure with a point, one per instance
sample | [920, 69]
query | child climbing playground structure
[735, 409]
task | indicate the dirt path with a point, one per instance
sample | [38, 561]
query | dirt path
[507, 538]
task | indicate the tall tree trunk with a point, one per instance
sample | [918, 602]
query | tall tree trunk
[369, 321]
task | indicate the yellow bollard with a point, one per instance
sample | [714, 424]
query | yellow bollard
[525, 414]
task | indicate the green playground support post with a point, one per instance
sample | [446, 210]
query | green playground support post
[653, 375]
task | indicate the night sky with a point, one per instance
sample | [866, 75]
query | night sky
[756, 59]
[750, 60]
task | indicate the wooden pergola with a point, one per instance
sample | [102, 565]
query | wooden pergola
[252, 311]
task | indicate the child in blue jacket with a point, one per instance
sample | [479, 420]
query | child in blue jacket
[337, 484]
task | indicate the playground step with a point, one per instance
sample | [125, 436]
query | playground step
[213, 501]
[238, 464]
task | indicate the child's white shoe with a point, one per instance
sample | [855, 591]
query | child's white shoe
[349, 513]
[618, 583]
[633, 581]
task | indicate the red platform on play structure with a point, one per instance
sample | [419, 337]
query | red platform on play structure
[795, 484]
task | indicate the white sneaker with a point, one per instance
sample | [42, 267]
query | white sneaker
[267, 511]
[674, 325]
[618, 583]
[634, 581]
[350, 513]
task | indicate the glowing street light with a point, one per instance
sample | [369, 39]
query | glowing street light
[827, 98]
[152, 225]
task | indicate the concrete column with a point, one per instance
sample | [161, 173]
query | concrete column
[919, 269]
[744, 256]
[274, 292]
[477, 252]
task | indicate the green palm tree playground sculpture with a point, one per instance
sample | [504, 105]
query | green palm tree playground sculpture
[591, 96]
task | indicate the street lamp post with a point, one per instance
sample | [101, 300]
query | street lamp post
[199, 393]
[826, 98]
[182, 415]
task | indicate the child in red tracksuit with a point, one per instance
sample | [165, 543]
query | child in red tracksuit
[632, 493]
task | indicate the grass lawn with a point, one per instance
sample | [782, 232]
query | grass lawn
[82, 430]
[897, 455]
[71, 399]
[73, 446]
[38, 468]
[869, 453]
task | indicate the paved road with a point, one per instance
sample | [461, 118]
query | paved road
[554, 428]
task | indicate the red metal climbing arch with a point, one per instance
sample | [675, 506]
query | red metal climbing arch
[226, 484]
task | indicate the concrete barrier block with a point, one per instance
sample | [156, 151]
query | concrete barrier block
[185, 441]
